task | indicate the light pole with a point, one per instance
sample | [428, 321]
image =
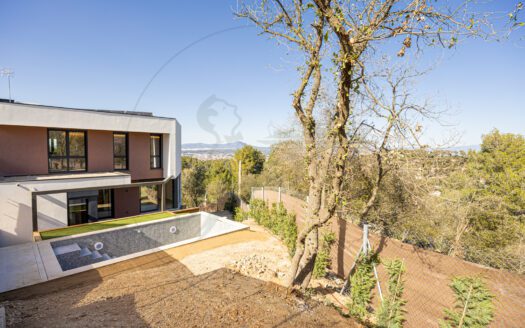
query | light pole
[7, 72]
[240, 177]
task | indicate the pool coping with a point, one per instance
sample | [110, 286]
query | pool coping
[49, 267]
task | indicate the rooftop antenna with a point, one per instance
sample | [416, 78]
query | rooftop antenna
[7, 72]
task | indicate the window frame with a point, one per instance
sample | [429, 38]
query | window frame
[154, 156]
[112, 201]
[67, 157]
[120, 156]
[159, 198]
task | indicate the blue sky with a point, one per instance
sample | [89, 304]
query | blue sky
[101, 54]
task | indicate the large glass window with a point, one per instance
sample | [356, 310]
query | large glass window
[172, 194]
[169, 194]
[149, 198]
[66, 151]
[89, 206]
[155, 151]
[105, 204]
[77, 211]
[120, 151]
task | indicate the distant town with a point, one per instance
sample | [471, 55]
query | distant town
[204, 151]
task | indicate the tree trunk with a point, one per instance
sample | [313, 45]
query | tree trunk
[312, 247]
[305, 248]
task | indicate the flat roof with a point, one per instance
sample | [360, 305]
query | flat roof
[110, 111]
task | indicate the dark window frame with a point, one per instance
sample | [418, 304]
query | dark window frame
[155, 156]
[67, 157]
[120, 156]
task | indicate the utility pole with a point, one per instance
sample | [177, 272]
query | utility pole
[7, 72]
[239, 179]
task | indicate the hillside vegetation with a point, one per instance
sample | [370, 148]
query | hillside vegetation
[468, 205]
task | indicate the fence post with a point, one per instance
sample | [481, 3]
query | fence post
[365, 239]
[279, 194]
[263, 194]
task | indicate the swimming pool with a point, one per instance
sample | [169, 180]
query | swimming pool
[93, 249]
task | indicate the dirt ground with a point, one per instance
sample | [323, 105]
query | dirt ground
[228, 281]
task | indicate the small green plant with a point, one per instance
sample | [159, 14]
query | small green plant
[391, 313]
[276, 219]
[323, 260]
[473, 307]
[361, 284]
[239, 215]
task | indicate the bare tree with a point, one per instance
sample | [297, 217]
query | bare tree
[352, 32]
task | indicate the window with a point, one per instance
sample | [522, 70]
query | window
[155, 151]
[66, 151]
[169, 194]
[89, 206]
[149, 198]
[120, 151]
[105, 204]
[171, 197]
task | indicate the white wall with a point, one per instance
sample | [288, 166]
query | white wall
[15, 205]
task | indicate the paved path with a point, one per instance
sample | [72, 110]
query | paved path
[20, 265]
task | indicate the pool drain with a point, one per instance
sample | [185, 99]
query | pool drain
[173, 229]
[98, 245]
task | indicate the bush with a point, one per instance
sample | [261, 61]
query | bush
[276, 219]
[239, 215]
[392, 313]
[473, 306]
[232, 203]
[361, 284]
[323, 260]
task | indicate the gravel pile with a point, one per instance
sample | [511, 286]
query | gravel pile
[256, 266]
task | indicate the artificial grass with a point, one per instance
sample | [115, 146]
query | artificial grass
[62, 232]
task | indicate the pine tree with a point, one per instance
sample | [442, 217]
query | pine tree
[391, 313]
[473, 308]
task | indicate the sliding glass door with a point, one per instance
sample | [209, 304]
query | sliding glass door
[89, 206]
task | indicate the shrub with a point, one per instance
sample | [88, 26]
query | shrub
[239, 215]
[473, 307]
[232, 203]
[391, 313]
[361, 284]
[323, 260]
[276, 219]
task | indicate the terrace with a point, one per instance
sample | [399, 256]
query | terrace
[65, 251]
[210, 282]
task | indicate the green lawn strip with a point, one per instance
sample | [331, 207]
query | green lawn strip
[103, 225]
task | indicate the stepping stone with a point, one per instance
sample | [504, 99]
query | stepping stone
[66, 249]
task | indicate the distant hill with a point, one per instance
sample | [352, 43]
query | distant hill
[215, 151]
[199, 145]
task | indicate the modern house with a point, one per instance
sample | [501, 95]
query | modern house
[65, 166]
